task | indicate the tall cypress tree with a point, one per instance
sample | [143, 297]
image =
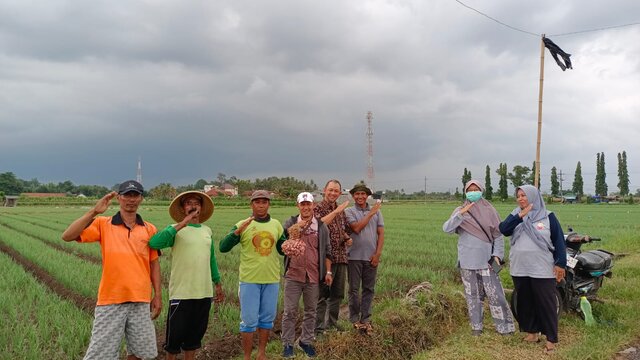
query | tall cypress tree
[598, 175]
[488, 189]
[466, 176]
[502, 184]
[555, 184]
[623, 174]
[601, 176]
[625, 171]
[578, 183]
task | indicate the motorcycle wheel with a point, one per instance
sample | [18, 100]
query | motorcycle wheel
[514, 304]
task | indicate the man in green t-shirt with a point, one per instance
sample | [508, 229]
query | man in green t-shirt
[194, 270]
[260, 238]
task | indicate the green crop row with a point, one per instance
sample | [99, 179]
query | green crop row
[37, 324]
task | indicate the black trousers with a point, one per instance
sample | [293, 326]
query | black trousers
[537, 306]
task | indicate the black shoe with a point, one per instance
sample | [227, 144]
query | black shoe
[287, 352]
[308, 349]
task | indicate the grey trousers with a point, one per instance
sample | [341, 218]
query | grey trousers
[112, 322]
[330, 299]
[477, 285]
[292, 292]
[361, 273]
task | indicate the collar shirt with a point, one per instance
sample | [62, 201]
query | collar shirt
[126, 257]
[366, 242]
[305, 267]
[337, 233]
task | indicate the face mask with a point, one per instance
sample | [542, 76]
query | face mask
[473, 196]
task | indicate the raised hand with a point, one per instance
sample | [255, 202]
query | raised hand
[466, 208]
[244, 225]
[103, 204]
[342, 206]
[525, 211]
[376, 207]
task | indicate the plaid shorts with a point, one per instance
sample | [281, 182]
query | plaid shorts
[133, 320]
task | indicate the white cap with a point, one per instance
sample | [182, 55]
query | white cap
[305, 196]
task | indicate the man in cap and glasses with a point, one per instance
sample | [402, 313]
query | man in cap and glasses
[367, 228]
[260, 238]
[194, 270]
[305, 269]
[130, 269]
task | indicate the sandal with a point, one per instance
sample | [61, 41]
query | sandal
[530, 338]
[549, 349]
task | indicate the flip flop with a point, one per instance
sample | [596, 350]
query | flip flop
[537, 340]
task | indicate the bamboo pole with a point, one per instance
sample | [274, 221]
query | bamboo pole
[537, 172]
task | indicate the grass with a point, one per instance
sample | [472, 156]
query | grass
[416, 250]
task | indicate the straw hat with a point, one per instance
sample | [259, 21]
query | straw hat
[177, 213]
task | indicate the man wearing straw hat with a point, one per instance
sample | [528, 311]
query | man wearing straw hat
[193, 270]
[260, 238]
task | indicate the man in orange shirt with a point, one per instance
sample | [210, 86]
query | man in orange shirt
[129, 269]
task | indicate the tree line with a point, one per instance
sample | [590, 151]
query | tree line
[521, 175]
[286, 187]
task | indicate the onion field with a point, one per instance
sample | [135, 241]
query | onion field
[48, 288]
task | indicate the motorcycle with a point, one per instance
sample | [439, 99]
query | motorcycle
[584, 275]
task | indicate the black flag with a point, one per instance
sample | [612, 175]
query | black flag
[555, 51]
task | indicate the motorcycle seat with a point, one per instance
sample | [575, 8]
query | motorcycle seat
[594, 260]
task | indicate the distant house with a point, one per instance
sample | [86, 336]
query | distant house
[226, 189]
[43, 195]
[212, 191]
[230, 190]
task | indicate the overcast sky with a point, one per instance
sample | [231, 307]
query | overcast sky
[282, 88]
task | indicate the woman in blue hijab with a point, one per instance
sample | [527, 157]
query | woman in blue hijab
[537, 261]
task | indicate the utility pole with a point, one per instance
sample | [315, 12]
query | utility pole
[560, 178]
[536, 175]
[370, 175]
[425, 189]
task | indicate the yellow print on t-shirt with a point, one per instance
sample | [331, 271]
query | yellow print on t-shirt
[263, 243]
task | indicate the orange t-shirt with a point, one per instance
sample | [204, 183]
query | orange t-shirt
[126, 272]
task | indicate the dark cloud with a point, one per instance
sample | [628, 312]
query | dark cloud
[281, 89]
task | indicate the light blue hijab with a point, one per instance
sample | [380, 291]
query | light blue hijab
[536, 218]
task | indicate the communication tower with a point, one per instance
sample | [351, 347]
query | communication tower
[370, 174]
[139, 173]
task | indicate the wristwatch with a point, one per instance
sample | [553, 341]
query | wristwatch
[330, 273]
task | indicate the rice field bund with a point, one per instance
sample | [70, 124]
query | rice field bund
[48, 289]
